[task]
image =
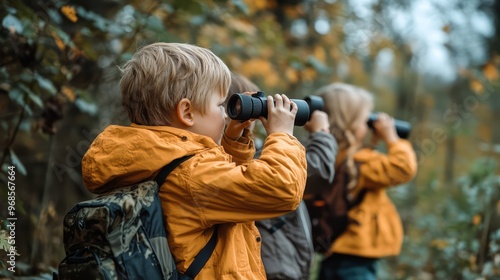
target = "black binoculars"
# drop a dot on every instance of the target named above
(402, 128)
(243, 107)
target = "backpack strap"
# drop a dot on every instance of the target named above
(201, 259)
(277, 225)
(162, 175)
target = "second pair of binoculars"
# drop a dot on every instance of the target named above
(243, 107)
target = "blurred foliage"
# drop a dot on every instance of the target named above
(455, 230)
(58, 89)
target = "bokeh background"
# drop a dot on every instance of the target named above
(433, 63)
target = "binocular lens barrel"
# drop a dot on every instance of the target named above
(402, 128)
(243, 107)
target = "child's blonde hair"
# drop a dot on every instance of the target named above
(345, 105)
(240, 84)
(159, 75)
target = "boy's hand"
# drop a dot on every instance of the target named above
(385, 129)
(279, 116)
(234, 128)
(318, 122)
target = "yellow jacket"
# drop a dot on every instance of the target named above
(211, 188)
(376, 230)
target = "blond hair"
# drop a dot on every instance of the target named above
(240, 84)
(345, 105)
(159, 75)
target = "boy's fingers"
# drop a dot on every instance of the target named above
(286, 101)
(269, 103)
(295, 108)
(264, 121)
(278, 100)
(247, 123)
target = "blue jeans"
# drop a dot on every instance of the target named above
(346, 267)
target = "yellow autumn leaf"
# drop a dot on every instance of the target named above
(490, 71)
(241, 26)
(335, 53)
(439, 243)
(309, 74)
(473, 262)
(292, 11)
(258, 5)
(476, 86)
(261, 68)
(234, 62)
(267, 52)
(59, 42)
(51, 211)
(69, 93)
(484, 131)
(272, 81)
(476, 220)
(69, 12)
(291, 75)
(256, 67)
(319, 53)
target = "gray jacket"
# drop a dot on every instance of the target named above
(287, 248)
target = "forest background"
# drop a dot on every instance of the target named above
(432, 63)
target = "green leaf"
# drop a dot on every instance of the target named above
(198, 20)
(55, 15)
(190, 6)
(17, 163)
(115, 29)
(18, 97)
(63, 36)
(240, 5)
(12, 22)
(100, 22)
(86, 107)
(45, 84)
(318, 65)
(35, 98)
(155, 24)
(11, 10)
(27, 78)
(4, 241)
(168, 7)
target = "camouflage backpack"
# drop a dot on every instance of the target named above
(120, 235)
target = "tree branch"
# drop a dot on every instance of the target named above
(14, 134)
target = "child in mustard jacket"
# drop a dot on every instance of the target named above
(287, 246)
(174, 96)
(374, 229)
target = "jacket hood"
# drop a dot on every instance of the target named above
(125, 155)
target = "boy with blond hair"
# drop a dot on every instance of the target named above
(174, 96)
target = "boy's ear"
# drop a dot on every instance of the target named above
(185, 112)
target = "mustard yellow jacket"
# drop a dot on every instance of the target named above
(376, 230)
(213, 187)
